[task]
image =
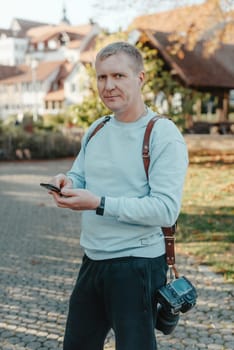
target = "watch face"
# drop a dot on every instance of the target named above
(100, 209)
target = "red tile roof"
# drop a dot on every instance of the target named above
(74, 44)
(196, 70)
(65, 70)
(8, 71)
(57, 95)
(26, 24)
(88, 56)
(196, 41)
(195, 19)
(44, 33)
(43, 70)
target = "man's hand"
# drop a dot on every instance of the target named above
(76, 199)
(61, 181)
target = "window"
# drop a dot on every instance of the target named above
(73, 87)
(41, 46)
(52, 44)
(55, 86)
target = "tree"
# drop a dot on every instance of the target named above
(91, 108)
(123, 11)
(211, 23)
(159, 78)
(214, 27)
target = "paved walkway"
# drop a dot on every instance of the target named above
(39, 260)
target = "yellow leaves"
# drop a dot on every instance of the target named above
(229, 188)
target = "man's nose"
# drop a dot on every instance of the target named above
(110, 85)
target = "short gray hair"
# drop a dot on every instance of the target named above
(122, 47)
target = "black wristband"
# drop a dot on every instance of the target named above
(100, 208)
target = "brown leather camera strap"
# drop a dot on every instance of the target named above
(98, 127)
(169, 232)
(145, 146)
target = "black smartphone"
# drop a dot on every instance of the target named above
(51, 187)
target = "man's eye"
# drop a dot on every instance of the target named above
(118, 76)
(101, 77)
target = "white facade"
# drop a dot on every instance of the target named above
(25, 96)
(12, 50)
(75, 86)
(40, 56)
(29, 93)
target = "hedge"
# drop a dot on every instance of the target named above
(37, 145)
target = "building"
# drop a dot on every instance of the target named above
(197, 44)
(14, 41)
(42, 66)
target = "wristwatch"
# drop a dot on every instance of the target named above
(100, 208)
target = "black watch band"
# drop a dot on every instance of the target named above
(100, 208)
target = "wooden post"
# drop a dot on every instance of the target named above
(225, 105)
(219, 109)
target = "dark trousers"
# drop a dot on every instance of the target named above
(119, 294)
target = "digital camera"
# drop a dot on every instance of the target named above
(177, 296)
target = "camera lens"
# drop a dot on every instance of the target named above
(166, 322)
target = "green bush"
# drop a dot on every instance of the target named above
(42, 144)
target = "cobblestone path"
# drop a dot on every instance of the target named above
(39, 260)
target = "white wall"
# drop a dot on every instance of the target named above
(12, 50)
(26, 97)
(75, 86)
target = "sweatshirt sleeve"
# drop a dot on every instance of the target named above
(76, 173)
(167, 171)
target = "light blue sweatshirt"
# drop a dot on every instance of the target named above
(111, 165)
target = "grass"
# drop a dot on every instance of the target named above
(206, 223)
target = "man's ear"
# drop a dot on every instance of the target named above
(141, 77)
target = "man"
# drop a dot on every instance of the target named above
(123, 211)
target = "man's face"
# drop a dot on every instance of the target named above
(119, 85)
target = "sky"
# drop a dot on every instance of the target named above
(78, 11)
(49, 11)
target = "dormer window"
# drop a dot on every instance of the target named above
(52, 44)
(63, 38)
(41, 46)
(55, 87)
